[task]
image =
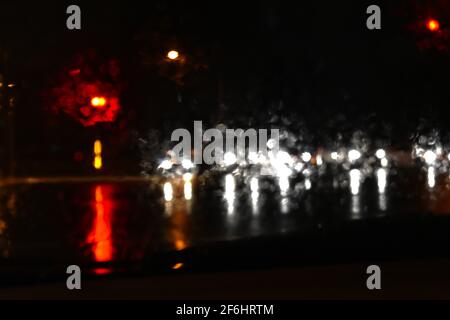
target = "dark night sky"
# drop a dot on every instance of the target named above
(315, 57)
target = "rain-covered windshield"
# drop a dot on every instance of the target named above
(115, 133)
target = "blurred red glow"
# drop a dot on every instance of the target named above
(433, 25)
(91, 96)
(74, 72)
(100, 236)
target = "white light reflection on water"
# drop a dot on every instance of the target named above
(187, 178)
(254, 187)
(431, 177)
(356, 207)
(168, 191)
(188, 190)
(355, 181)
(382, 182)
(284, 205)
(230, 195)
(283, 182)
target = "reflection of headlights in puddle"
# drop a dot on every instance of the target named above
(381, 180)
(254, 187)
(188, 190)
(283, 182)
(431, 177)
(230, 192)
(355, 181)
(168, 191)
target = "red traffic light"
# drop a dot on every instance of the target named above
(433, 25)
(98, 102)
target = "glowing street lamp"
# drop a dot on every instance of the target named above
(173, 55)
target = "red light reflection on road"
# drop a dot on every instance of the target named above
(101, 233)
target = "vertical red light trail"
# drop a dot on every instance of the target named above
(101, 233)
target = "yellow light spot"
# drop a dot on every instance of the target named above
(177, 266)
(433, 25)
(98, 102)
(97, 147)
(180, 244)
(98, 162)
(173, 55)
(11, 85)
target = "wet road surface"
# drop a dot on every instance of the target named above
(129, 221)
